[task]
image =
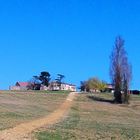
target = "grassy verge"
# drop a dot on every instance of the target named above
(91, 119)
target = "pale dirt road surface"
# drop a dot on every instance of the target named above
(21, 131)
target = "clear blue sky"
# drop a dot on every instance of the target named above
(72, 37)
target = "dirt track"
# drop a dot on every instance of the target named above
(21, 131)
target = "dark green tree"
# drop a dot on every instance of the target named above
(84, 86)
(44, 78)
(34, 83)
(59, 79)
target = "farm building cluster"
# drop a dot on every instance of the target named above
(53, 86)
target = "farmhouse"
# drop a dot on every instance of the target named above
(54, 86)
(20, 86)
(66, 86)
(110, 88)
(62, 86)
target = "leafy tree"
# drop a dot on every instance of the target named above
(120, 71)
(59, 79)
(102, 86)
(96, 84)
(44, 78)
(84, 86)
(34, 83)
(93, 84)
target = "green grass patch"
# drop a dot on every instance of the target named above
(49, 136)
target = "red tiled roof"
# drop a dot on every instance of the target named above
(22, 84)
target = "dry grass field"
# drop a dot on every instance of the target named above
(94, 117)
(19, 107)
(91, 117)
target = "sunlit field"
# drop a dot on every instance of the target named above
(95, 117)
(19, 107)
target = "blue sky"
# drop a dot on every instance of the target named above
(72, 37)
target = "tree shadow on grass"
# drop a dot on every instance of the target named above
(99, 99)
